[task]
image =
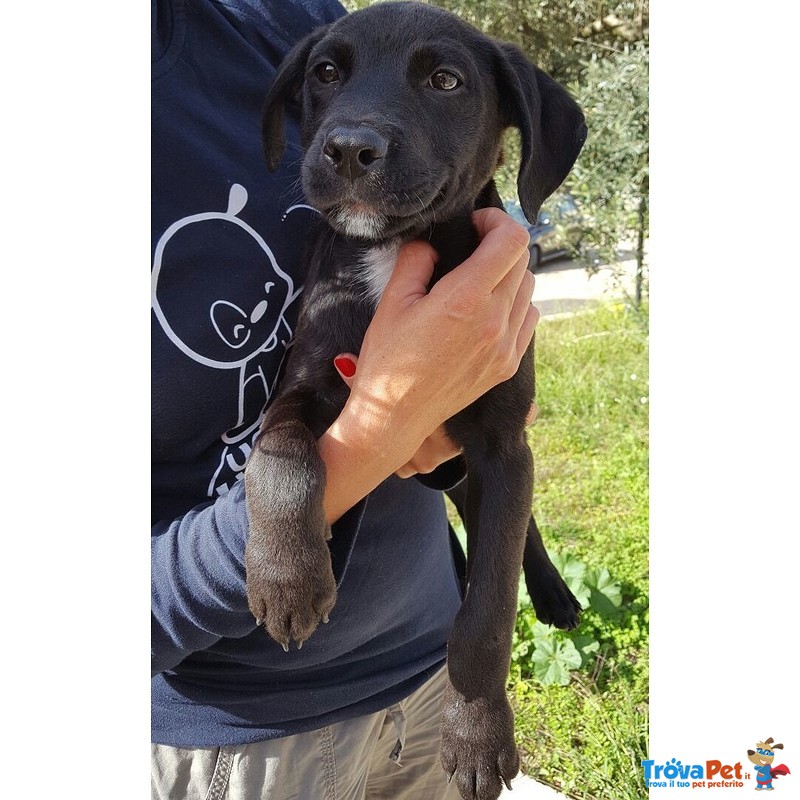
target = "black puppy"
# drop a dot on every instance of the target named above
(402, 111)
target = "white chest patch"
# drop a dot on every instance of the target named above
(378, 263)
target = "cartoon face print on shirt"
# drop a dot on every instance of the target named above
(218, 313)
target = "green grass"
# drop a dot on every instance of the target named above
(590, 446)
(590, 441)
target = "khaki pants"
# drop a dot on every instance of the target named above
(389, 755)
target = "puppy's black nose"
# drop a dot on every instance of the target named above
(353, 151)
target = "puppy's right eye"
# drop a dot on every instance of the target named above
(444, 81)
(326, 72)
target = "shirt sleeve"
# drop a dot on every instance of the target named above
(198, 576)
(198, 580)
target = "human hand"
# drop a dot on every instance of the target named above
(436, 449)
(427, 355)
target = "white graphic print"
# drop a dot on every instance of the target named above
(243, 332)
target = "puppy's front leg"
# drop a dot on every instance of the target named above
(478, 746)
(290, 583)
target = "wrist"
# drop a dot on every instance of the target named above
(384, 431)
(365, 445)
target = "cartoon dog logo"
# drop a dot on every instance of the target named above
(762, 757)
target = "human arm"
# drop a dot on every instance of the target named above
(198, 576)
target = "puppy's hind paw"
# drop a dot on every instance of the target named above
(552, 599)
(561, 610)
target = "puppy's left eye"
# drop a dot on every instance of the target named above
(444, 81)
(326, 72)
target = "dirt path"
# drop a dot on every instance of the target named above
(563, 286)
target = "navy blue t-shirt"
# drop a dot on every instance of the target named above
(228, 240)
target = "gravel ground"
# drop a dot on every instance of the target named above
(525, 788)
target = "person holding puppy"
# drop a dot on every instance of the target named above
(355, 713)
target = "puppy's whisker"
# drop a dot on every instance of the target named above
(421, 210)
(286, 145)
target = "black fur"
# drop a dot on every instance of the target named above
(390, 156)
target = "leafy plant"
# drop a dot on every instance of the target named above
(549, 654)
(553, 658)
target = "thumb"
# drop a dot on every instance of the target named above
(345, 364)
(412, 272)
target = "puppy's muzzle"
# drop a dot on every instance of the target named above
(352, 152)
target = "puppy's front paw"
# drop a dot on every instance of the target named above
(478, 748)
(290, 589)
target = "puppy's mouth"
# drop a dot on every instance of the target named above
(387, 219)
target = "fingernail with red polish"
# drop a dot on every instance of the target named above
(345, 366)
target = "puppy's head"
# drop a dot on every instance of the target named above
(402, 109)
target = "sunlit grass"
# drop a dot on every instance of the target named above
(590, 446)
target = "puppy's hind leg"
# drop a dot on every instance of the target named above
(552, 599)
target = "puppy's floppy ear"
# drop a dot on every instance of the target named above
(285, 91)
(551, 125)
